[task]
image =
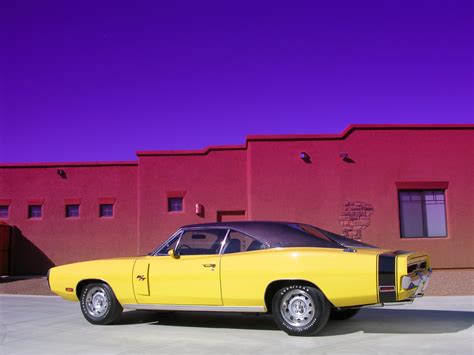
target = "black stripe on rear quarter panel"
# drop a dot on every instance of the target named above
(387, 277)
(387, 274)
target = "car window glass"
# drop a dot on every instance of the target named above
(347, 242)
(171, 244)
(201, 242)
(239, 242)
(310, 230)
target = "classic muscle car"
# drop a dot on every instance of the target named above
(301, 274)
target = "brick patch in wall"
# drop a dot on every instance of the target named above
(355, 218)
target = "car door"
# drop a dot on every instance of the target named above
(244, 275)
(191, 277)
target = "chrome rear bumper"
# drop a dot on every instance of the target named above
(417, 282)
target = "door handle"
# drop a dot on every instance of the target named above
(209, 265)
(141, 277)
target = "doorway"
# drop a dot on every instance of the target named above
(4, 249)
(230, 216)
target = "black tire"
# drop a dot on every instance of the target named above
(99, 305)
(300, 310)
(343, 314)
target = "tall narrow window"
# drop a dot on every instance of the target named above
(175, 204)
(4, 211)
(72, 211)
(422, 213)
(35, 211)
(106, 210)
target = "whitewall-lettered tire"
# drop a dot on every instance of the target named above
(99, 305)
(300, 310)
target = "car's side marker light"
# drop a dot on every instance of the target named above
(69, 289)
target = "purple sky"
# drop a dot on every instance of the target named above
(97, 81)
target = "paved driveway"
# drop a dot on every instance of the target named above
(49, 325)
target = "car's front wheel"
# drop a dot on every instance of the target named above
(300, 310)
(99, 305)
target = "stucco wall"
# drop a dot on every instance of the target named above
(64, 240)
(266, 178)
(216, 180)
(284, 187)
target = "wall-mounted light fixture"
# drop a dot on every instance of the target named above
(199, 210)
(62, 173)
(345, 157)
(305, 157)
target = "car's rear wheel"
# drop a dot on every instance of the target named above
(343, 314)
(99, 305)
(300, 310)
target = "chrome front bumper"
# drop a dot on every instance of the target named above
(417, 282)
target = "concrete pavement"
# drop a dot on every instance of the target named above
(50, 325)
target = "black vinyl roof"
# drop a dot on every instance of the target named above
(277, 234)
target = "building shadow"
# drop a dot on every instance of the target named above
(376, 321)
(25, 258)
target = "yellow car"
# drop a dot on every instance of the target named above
(301, 274)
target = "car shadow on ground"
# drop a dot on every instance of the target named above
(401, 321)
(200, 320)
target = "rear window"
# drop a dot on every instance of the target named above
(302, 235)
(311, 230)
(347, 242)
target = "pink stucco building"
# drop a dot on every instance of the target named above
(395, 186)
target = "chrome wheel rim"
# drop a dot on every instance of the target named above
(297, 308)
(97, 302)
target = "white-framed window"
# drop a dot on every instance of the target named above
(175, 204)
(35, 211)
(4, 211)
(72, 211)
(106, 210)
(422, 213)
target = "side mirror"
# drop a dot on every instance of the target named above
(173, 254)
